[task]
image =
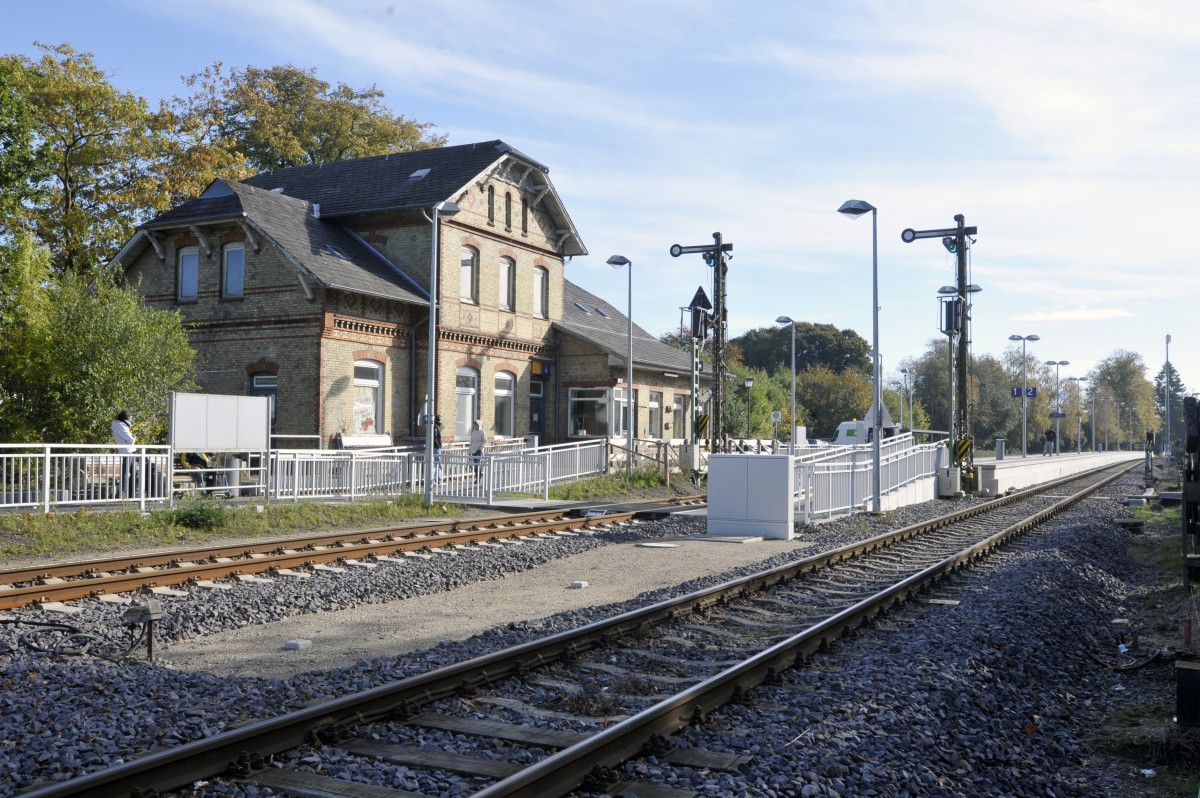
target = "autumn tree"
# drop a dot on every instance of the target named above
(1124, 398)
(830, 398)
(281, 116)
(20, 167)
(98, 145)
(770, 348)
(75, 352)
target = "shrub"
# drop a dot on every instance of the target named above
(199, 514)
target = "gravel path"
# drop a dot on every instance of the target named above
(994, 696)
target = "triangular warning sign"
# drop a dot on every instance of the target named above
(700, 300)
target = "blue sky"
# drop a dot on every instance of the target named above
(1066, 131)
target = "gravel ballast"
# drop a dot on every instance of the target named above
(994, 696)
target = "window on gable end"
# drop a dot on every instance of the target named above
(468, 288)
(233, 270)
(541, 288)
(508, 284)
(508, 211)
(491, 205)
(524, 216)
(187, 277)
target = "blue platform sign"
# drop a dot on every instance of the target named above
(1030, 393)
(1016, 393)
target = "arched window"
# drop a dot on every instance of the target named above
(368, 397)
(508, 211)
(524, 216)
(506, 385)
(187, 278)
(491, 205)
(508, 283)
(233, 270)
(466, 400)
(468, 286)
(541, 287)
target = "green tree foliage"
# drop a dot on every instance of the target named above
(829, 398)
(1124, 398)
(285, 116)
(1177, 390)
(98, 144)
(75, 353)
(770, 348)
(20, 167)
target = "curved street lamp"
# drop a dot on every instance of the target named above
(792, 434)
(445, 209)
(617, 261)
(854, 209)
(1057, 398)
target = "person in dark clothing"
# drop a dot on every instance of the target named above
(437, 450)
(1048, 446)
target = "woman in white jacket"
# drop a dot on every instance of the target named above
(478, 441)
(123, 437)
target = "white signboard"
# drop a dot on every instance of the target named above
(202, 422)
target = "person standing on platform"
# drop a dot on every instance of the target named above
(123, 437)
(437, 449)
(478, 441)
(1048, 446)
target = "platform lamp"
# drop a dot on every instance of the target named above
(1079, 415)
(617, 261)
(1024, 390)
(906, 372)
(853, 209)
(1057, 398)
(443, 209)
(792, 435)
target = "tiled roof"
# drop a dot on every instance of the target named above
(311, 241)
(387, 182)
(608, 328)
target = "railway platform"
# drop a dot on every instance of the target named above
(1014, 473)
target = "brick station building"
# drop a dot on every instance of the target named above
(311, 285)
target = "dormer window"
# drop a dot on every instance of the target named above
(330, 249)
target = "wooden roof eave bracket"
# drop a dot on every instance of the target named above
(162, 256)
(208, 250)
(565, 235)
(249, 235)
(541, 194)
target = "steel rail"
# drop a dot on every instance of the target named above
(294, 556)
(201, 759)
(82, 568)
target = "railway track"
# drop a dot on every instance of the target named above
(606, 692)
(39, 584)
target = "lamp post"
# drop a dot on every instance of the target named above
(445, 209)
(899, 387)
(1079, 415)
(1166, 403)
(791, 435)
(906, 372)
(749, 385)
(854, 209)
(1092, 392)
(1057, 398)
(1024, 391)
(617, 261)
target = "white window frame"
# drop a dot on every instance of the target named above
(466, 400)
(185, 280)
(654, 427)
(505, 401)
(508, 284)
(239, 289)
(468, 275)
(374, 390)
(541, 292)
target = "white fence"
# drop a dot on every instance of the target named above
(838, 479)
(44, 477)
(52, 475)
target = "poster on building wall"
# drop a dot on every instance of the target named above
(201, 422)
(364, 410)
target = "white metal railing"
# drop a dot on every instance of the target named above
(842, 481)
(42, 476)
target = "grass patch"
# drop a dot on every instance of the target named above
(608, 485)
(193, 522)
